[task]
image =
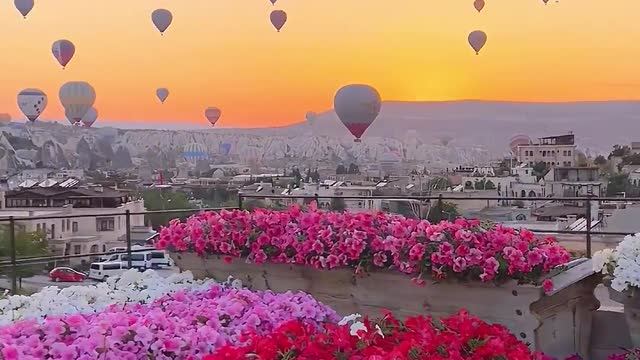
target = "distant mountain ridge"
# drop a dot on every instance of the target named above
(413, 131)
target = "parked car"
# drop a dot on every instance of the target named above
(160, 258)
(66, 274)
(104, 270)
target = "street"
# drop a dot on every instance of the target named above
(37, 282)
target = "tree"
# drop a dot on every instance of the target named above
(341, 170)
(338, 205)
(600, 160)
(442, 211)
(631, 159)
(540, 169)
(619, 151)
(617, 184)
(158, 199)
(353, 169)
(28, 244)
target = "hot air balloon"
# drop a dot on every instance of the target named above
(225, 148)
(311, 117)
(357, 106)
(63, 51)
(32, 103)
(545, 1)
(194, 151)
(67, 114)
(278, 19)
(477, 39)
(273, 2)
(212, 114)
(24, 6)
(478, 4)
(162, 94)
(518, 140)
(77, 98)
(445, 140)
(161, 19)
(90, 117)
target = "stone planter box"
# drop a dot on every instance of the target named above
(631, 302)
(558, 323)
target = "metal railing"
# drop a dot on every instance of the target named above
(14, 262)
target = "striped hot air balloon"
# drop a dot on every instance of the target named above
(518, 140)
(77, 98)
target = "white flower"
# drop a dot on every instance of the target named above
(131, 287)
(355, 327)
(349, 319)
(602, 259)
(623, 263)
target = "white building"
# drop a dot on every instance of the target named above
(552, 150)
(105, 228)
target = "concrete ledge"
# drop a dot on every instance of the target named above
(609, 333)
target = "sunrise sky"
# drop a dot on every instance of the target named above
(225, 53)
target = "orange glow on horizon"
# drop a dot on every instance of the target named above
(225, 53)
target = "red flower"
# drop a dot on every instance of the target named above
(461, 337)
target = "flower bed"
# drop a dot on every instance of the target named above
(132, 287)
(183, 325)
(457, 337)
(328, 240)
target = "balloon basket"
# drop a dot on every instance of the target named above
(357, 140)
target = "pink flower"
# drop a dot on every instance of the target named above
(547, 285)
(459, 264)
(260, 257)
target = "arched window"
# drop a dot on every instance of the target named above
(532, 193)
(523, 193)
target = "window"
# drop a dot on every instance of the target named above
(77, 249)
(95, 267)
(569, 153)
(105, 224)
(63, 225)
(37, 227)
(526, 172)
(68, 224)
(53, 231)
(75, 226)
(111, 266)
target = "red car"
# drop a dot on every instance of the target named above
(66, 274)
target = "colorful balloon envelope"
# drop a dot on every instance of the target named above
(90, 117)
(32, 102)
(212, 114)
(24, 6)
(77, 98)
(477, 39)
(278, 19)
(63, 51)
(161, 18)
(162, 94)
(357, 106)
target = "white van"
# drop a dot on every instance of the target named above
(160, 258)
(139, 260)
(112, 250)
(103, 270)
